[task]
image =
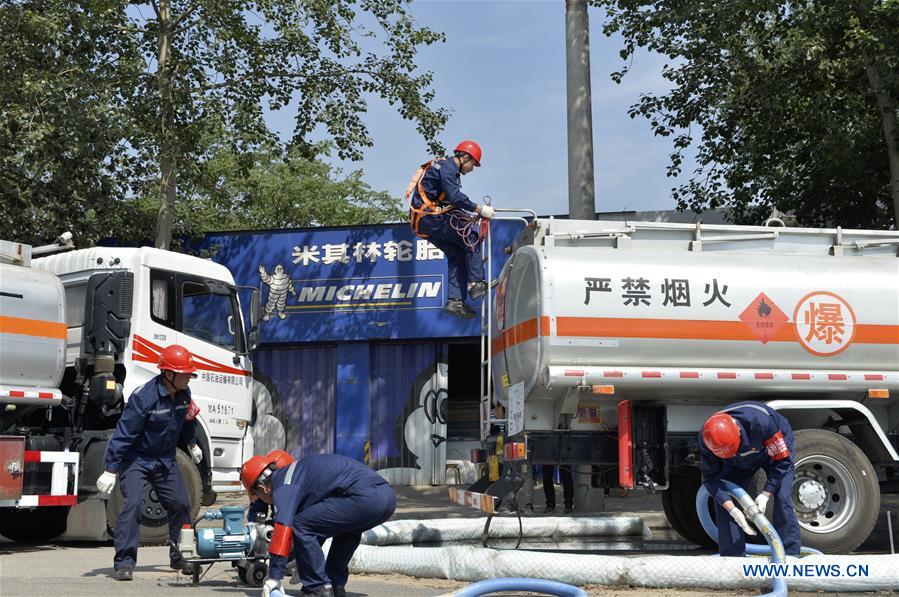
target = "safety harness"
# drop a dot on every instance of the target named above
(429, 207)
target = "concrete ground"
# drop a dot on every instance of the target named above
(83, 569)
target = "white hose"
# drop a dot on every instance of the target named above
(404, 532)
(466, 563)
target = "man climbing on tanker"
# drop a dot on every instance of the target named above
(142, 450)
(735, 443)
(313, 498)
(440, 212)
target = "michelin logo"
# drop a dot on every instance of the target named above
(368, 292)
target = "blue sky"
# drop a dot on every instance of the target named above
(502, 73)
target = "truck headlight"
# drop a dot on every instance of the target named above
(241, 423)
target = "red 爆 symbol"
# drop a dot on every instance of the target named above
(763, 317)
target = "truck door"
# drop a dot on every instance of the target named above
(203, 315)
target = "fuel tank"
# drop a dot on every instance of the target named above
(668, 311)
(32, 328)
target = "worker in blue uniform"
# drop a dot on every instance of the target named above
(434, 194)
(734, 444)
(258, 510)
(316, 497)
(142, 450)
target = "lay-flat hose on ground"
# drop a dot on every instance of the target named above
(402, 532)
(468, 563)
(531, 585)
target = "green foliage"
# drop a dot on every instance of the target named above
(103, 101)
(785, 104)
(63, 163)
(276, 189)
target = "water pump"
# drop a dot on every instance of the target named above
(243, 544)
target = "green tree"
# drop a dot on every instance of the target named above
(169, 75)
(786, 104)
(274, 189)
(64, 163)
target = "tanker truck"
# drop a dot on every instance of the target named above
(80, 331)
(611, 342)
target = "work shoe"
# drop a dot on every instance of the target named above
(549, 508)
(569, 509)
(458, 308)
(124, 574)
(324, 591)
(182, 566)
(477, 289)
(339, 591)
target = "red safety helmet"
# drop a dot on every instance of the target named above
(472, 149)
(178, 359)
(252, 469)
(280, 458)
(721, 435)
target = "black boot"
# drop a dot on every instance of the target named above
(182, 566)
(123, 574)
(458, 308)
(477, 290)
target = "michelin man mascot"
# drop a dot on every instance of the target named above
(279, 284)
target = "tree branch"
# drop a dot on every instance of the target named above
(132, 29)
(187, 13)
(190, 25)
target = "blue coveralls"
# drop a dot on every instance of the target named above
(321, 496)
(766, 442)
(141, 451)
(463, 262)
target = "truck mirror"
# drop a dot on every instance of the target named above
(255, 309)
(255, 316)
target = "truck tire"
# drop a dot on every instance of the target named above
(683, 485)
(836, 494)
(670, 509)
(35, 525)
(154, 527)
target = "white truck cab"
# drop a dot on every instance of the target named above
(122, 306)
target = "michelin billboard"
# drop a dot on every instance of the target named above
(352, 283)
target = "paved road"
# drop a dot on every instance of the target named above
(83, 569)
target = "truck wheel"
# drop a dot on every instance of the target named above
(154, 526)
(670, 508)
(680, 501)
(35, 525)
(835, 491)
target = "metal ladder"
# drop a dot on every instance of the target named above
(487, 321)
(510, 478)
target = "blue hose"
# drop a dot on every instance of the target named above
(775, 546)
(533, 585)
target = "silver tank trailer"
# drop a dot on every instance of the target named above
(33, 335)
(668, 311)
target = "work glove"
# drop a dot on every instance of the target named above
(762, 501)
(487, 212)
(106, 482)
(271, 586)
(740, 519)
(196, 452)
